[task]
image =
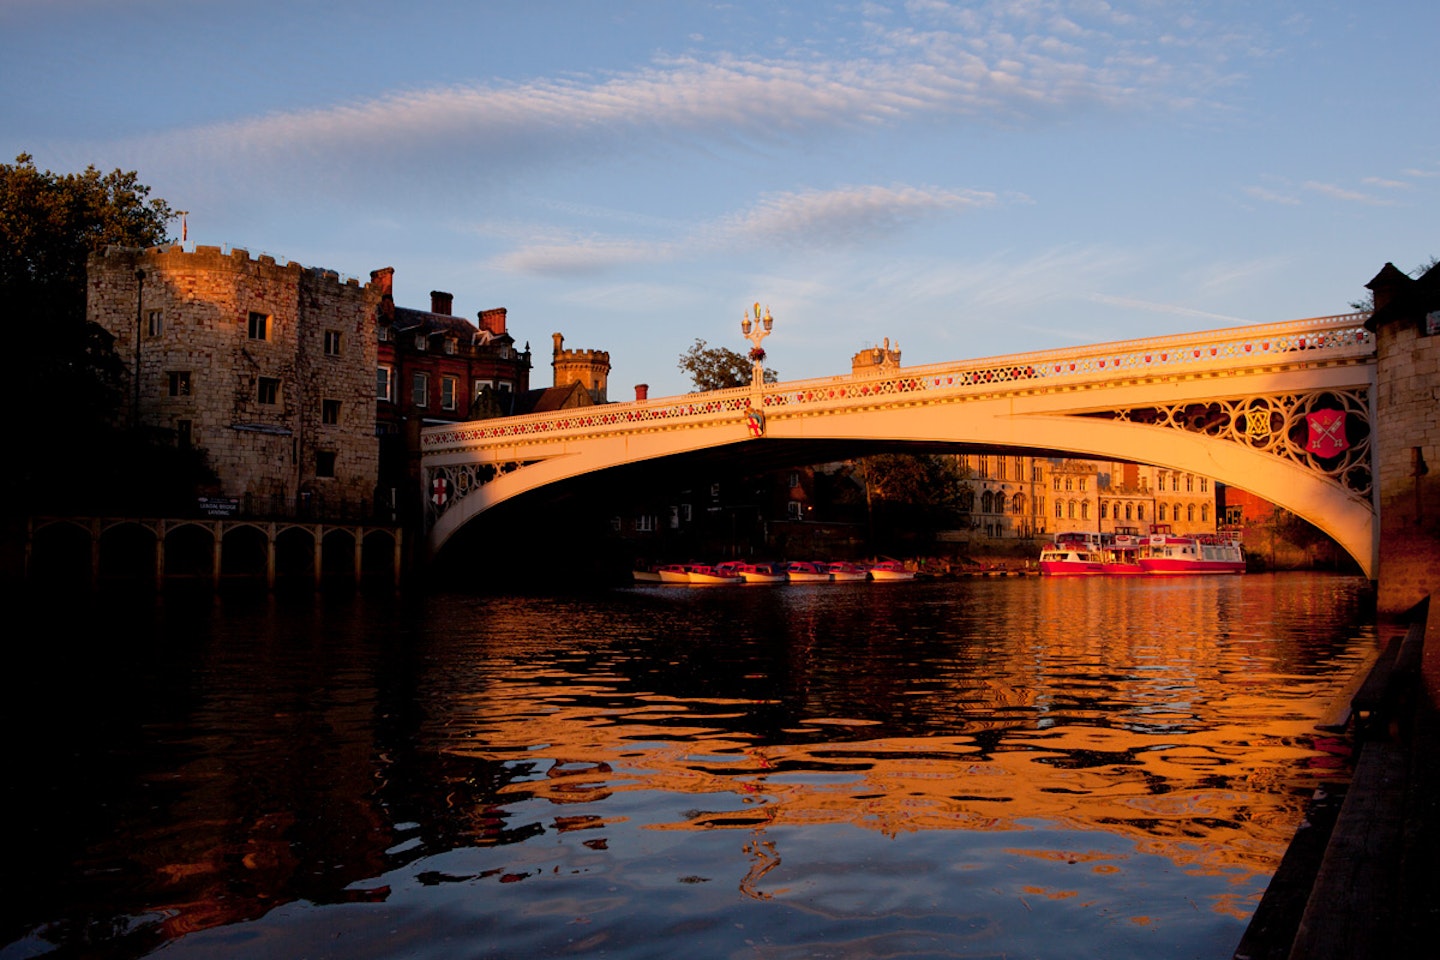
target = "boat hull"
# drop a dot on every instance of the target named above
(1167, 566)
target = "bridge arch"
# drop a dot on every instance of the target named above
(1232, 405)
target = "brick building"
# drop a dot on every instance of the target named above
(265, 366)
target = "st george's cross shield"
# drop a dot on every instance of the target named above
(440, 491)
(1327, 433)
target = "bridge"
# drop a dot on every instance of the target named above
(1282, 410)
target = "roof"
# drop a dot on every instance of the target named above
(1409, 298)
(547, 399)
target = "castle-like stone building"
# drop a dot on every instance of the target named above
(267, 366)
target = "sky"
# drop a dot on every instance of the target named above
(966, 179)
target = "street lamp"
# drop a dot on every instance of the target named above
(755, 331)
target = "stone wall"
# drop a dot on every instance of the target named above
(1408, 440)
(256, 400)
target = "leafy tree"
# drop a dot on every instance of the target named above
(69, 376)
(913, 494)
(717, 368)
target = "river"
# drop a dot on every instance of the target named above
(972, 768)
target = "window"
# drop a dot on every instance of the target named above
(269, 391)
(1069, 483)
(1081, 482)
(1104, 510)
(179, 383)
(1059, 509)
(449, 345)
(447, 392)
(259, 326)
(382, 333)
(332, 343)
(1129, 513)
(1175, 513)
(382, 383)
(1140, 511)
(1204, 513)
(1160, 512)
(1000, 502)
(1189, 483)
(987, 502)
(794, 481)
(420, 342)
(1017, 506)
(1190, 512)
(1036, 474)
(154, 323)
(330, 411)
(984, 469)
(1204, 485)
(324, 463)
(795, 510)
(184, 433)
(645, 523)
(1085, 510)
(1070, 509)
(1057, 483)
(685, 512)
(420, 389)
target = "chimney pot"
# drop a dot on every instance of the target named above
(440, 302)
(642, 391)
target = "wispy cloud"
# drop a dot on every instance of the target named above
(1004, 60)
(1336, 192)
(810, 218)
(1270, 196)
(1132, 303)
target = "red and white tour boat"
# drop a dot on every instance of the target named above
(1128, 553)
(1166, 553)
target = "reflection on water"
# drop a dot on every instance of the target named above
(1041, 767)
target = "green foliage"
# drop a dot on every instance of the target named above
(913, 495)
(718, 368)
(69, 377)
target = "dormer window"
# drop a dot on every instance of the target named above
(449, 345)
(420, 341)
(382, 334)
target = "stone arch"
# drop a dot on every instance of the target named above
(128, 551)
(245, 552)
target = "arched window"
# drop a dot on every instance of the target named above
(1175, 513)
(1140, 511)
(1204, 512)
(1071, 509)
(1104, 509)
(999, 502)
(1017, 506)
(1190, 513)
(1085, 510)
(987, 502)
(1127, 511)
(1160, 512)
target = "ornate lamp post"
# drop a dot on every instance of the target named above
(755, 331)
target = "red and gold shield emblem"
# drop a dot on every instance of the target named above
(1327, 433)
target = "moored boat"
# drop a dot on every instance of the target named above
(808, 571)
(844, 570)
(759, 572)
(1167, 554)
(674, 573)
(890, 570)
(1072, 554)
(701, 574)
(644, 573)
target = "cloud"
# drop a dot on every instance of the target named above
(1340, 193)
(1003, 60)
(1387, 184)
(1172, 309)
(809, 218)
(1270, 196)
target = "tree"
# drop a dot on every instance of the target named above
(913, 494)
(69, 376)
(717, 368)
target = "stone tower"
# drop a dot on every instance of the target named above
(589, 368)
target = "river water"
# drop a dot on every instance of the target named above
(978, 768)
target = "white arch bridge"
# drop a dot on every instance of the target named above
(1285, 411)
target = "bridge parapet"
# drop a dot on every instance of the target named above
(1335, 339)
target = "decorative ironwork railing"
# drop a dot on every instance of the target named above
(1321, 338)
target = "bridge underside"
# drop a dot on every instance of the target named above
(1250, 440)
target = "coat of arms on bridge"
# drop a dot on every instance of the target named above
(1327, 433)
(755, 419)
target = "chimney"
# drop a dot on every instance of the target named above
(642, 391)
(384, 279)
(493, 321)
(440, 302)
